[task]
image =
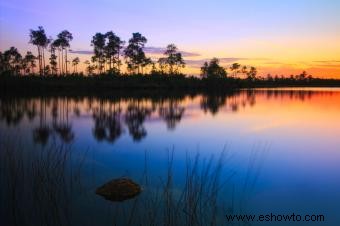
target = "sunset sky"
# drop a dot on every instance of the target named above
(278, 37)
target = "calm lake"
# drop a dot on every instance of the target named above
(263, 151)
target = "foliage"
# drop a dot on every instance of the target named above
(173, 60)
(135, 55)
(213, 69)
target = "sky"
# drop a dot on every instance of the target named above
(278, 37)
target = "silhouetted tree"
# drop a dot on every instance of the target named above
(53, 60)
(64, 39)
(39, 39)
(112, 51)
(12, 61)
(30, 61)
(75, 63)
(89, 68)
(2, 62)
(252, 73)
(213, 69)
(303, 75)
(235, 68)
(47, 70)
(134, 53)
(244, 70)
(174, 59)
(98, 43)
(56, 44)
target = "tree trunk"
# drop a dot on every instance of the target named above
(43, 55)
(59, 61)
(62, 61)
(66, 59)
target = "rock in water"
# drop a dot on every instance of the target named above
(119, 190)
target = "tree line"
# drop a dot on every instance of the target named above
(108, 48)
(110, 51)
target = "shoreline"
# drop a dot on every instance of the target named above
(138, 84)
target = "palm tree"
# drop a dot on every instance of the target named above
(39, 39)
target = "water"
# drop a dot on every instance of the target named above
(281, 154)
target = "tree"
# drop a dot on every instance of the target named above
(12, 61)
(53, 60)
(234, 68)
(174, 59)
(56, 44)
(213, 69)
(75, 62)
(134, 54)
(244, 70)
(63, 41)
(30, 61)
(2, 62)
(98, 42)
(39, 39)
(303, 75)
(252, 73)
(162, 65)
(112, 51)
(47, 70)
(89, 68)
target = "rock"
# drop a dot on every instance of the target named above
(119, 190)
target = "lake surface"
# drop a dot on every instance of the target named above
(276, 151)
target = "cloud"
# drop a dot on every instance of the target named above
(223, 60)
(83, 52)
(161, 50)
(328, 65)
(327, 61)
(149, 50)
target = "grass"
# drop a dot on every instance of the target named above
(40, 188)
(37, 187)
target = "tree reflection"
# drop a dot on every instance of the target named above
(212, 103)
(12, 111)
(41, 134)
(172, 114)
(51, 117)
(60, 118)
(134, 119)
(107, 125)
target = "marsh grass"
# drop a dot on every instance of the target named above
(37, 186)
(42, 187)
(196, 201)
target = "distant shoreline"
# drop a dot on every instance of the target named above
(10, 85)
